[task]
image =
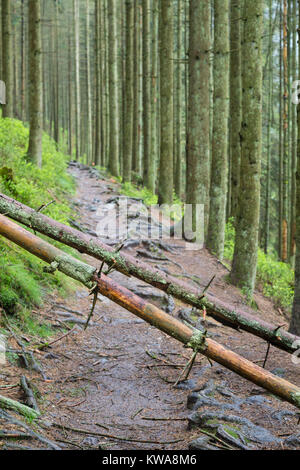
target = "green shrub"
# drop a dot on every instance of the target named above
(275, 278)
(131, 190)
(22, 280)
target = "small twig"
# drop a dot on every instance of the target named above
(9, 386)
(267, 355)
(64, 441)
(216, 438)
(147, 418)
(14, 435)
(44, 206)
(186, 371)
(136, 413)
(207, 287)
(111, 436)
(46, 345)
(94, 291)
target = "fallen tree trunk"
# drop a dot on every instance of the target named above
(130, 266)
(148, 312)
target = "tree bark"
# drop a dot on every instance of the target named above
(295, 321)
(246, 246)
(235, 101)
(138, 114)
(89, 144)
(77, 78)
(165, 184)
(35, 83)
(219, 171)
(147, 94)
(285, 181)
(7, 54)
(198, 127)
(128, 112)
(113, 162)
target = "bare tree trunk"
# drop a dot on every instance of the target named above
(219, 172)
(35, 83)
(77, 78)
(7, 54)
(147, 93)
(198, 127)
(165, 185)
(88, 89)
(128, 113)
(235, 101)
(245, 254)
(113, 163)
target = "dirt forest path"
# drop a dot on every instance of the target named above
(115, 381)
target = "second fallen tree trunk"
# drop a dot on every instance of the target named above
(191, 338)
(129, 265)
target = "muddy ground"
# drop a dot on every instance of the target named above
(112, 386)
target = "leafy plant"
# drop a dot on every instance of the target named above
(276, 279)
(22, 281)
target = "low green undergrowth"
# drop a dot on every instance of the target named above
(23, 284)
(275, 278)
(131, 190)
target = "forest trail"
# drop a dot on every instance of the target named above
(117, 377)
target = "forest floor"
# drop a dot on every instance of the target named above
(115, 381)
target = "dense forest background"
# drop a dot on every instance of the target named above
(190, 99)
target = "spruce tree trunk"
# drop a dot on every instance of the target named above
(245, 254)
(295, 321)
(165, 186)
(7, 62)
(198, 124)
(269, 125)
(235, 102)
(77, 78)
(70, 91)
(285, 181)
(97, 146)
(294, 142)
(56, 75)
(128, 114)
(34, 152)
(147, 93)
(23, 69)
(154, 99)
(113, 162)
(181, 101)
(89, 146)
(138, 116)
(280, 166)
(219, 173)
